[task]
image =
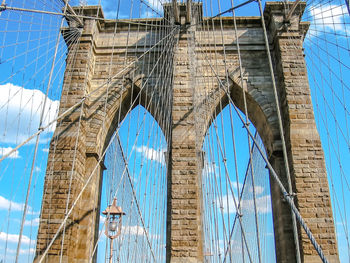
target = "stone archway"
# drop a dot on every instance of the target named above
(79, 139)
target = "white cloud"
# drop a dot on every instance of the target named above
(130, 230)
(6, 150)
(13, 238)
(258, 189)
(228, 204)
(133, 230)
(150, 14)
(5, 204)
(21, 251)
(262, 204)
(16, 207)
(155, 4)
(31, 212)
(46, 150)
(27, 251)
(137, 231)
(210, 169)
(127, 230)
(328, 17)
(155, 10)
(32, 222)
(37, 169)
(20, 111)
(151, 154)
(83, 2)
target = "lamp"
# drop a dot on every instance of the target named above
(113, 223)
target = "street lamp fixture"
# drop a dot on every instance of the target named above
(113, 223)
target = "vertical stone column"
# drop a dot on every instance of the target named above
(305, 154)
(184, 228)
(282, 217)
(69, 167)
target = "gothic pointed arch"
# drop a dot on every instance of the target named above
(260, 107)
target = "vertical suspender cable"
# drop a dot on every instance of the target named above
(242, 85)
(280, 185)
(135, 198)
(290, 189)
(249, 142)
(37, 139)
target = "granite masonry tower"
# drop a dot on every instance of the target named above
(184, 222)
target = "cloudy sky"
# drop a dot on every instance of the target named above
(25, 69)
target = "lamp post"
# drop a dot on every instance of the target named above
(113, 223)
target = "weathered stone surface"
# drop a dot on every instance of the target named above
(192, 101)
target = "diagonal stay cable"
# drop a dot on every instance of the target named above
(125, 21)
(138, 132)
(239, 213)
(83, 188)
(135, 197)
(36, 147)
(285, 194)
(232, 8)
(43, 128)
(42, 257)
(226, 170)
(225, 12)
(280, 125)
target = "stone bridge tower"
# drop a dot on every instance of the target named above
(184, 221)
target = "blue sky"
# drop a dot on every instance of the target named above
(330, 92)
(26, 55)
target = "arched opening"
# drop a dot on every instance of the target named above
(136, 176)
(260, 109)
(237, 219)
